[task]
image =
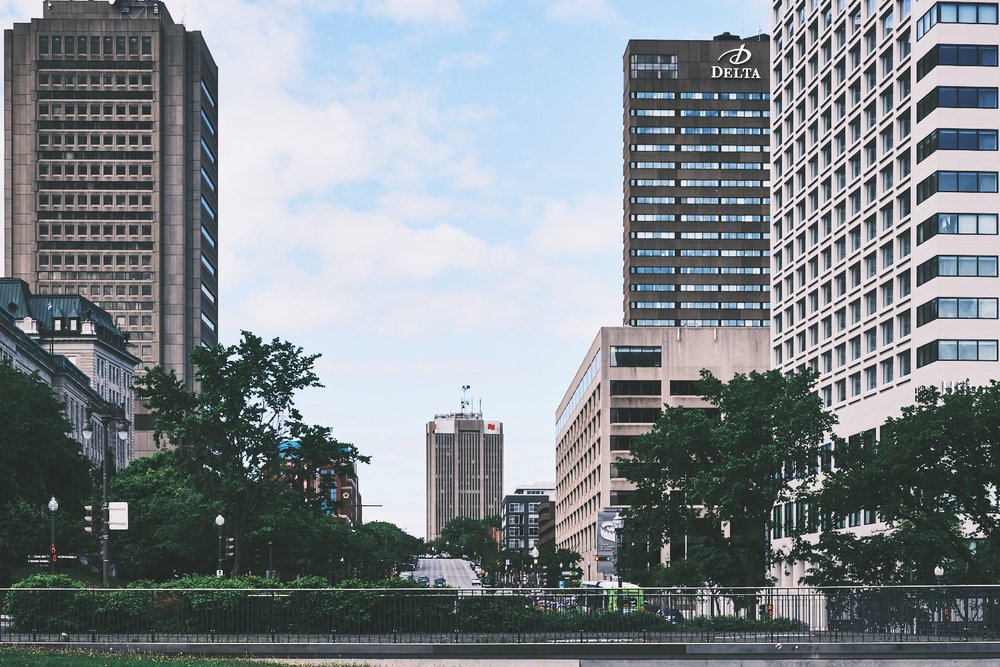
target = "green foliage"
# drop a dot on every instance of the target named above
(52, 611)
(697, 470)
(465, 536)
(31, 420)
(241, 439)
(932, 478)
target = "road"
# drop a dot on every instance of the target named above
(457, 572)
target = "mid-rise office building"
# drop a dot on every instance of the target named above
(884, 207)
(697, 183)
(464, 469)
(111, 172)
(628, 375)
(519, 516)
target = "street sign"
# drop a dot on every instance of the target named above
(118, 516)
(44, 559)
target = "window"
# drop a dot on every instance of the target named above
(634, 415)
(961, 55)
(956, 181)
(635, 356)
(957, 223)
(515, 507)
(956, 12)
(956, 350)
(622, 443)
(960, 265)
(956, 308)
(956, 97)
(956, 140)
(653, 66)
(635, 387)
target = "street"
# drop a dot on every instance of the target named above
(458, 573)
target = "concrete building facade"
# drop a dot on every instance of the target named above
(697, 183)
(520, 516)
(464, 469)
(627, 376)
(111, 172)
(884, 208)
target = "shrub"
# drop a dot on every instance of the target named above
(63, 610)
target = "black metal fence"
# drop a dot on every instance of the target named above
(897, 614)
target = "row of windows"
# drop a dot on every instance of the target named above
(634, 415)
(93, 169)
(956, 97)
(635, 356)
(635, 388)
(701, 113)
(956, 181)
(748, 270)
(983, 266)
(698, 130)
(95, 45)
(89, 79)
(697, 252)
(653, 66)
(95, 200)
(956, 140)
(957, 223)
(725, 236)
(698, 183)
(699, 165)
(95, 141)
(691, 217)
(96, 230)
(957, 308)
(956, 350)
(45, 259)
(963, 55)
(98, 112)
(728, 201)
(700, 148)
(700, 323)
(650, 95)
(661, 287)
(956, 12)
(701, 305)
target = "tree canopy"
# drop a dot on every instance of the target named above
(715, 474)
(240, 438)
(931, 478)
(38, 460)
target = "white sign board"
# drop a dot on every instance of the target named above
(117, 516)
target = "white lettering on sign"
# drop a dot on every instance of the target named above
(735, 57)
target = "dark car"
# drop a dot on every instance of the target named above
(424, 581)
(671, 616)
(439, 582)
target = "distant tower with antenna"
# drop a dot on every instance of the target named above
(464, 466)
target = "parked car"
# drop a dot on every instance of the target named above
(424, 580)
(439, 582)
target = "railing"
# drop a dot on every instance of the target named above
(897, 614)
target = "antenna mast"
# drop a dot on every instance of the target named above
(465, 400)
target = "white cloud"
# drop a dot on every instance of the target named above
(442, 12)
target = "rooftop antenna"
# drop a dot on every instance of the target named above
(465, 400)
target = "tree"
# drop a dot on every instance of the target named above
(38, 460)
(240, 437)
(714, 475)
(469, 537)
(932, 479)
(552, 562)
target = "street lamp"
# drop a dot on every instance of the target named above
(88, 433)
(619, 523)
(939, 575)
(53, 507)
(534, 555)
(220, 521)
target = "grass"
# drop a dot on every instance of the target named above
(40, 658)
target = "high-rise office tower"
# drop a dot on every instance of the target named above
(885, 206)
(464, 469)
(111, 150)
(697, 182)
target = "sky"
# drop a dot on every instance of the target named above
(428, 194)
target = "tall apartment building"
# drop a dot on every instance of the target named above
(697, 183)
(110, 168)
(464, 469)
(519, 516)
(884, 207)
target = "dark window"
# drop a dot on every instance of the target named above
(634, 415)
(43, 45)
(956, 140)
(635, 387)
(957, 97)
(956, 181)
(684, 388)
(957, 265)
(143, 422)
(956, 350)
(957, 223)
(619, 498)
(147, 45)
(957, 308)
(623, 356)
(622, 443)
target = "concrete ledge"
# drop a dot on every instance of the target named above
(586, 654)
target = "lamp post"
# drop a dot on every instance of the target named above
(220, 521)
(619, 523)
(534, 567)
(53, 508)
(88, 433)
(938, 575)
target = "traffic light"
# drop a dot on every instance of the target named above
(53, 555)
(230, 547)
(92, 517)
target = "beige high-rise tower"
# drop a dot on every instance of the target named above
(110, 172)
(464, 469)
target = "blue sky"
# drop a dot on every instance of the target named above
(428, 193)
